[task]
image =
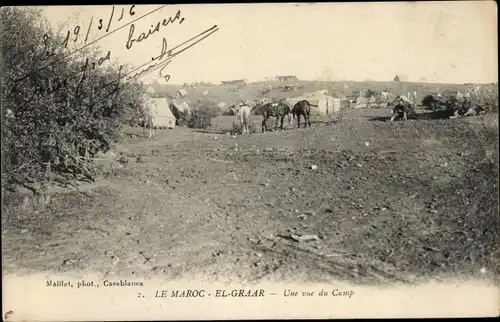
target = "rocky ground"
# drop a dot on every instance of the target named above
(362, 200)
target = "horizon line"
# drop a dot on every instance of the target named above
(327, 81)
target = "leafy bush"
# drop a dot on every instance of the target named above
(211, 106)
(59, 112)
(200, 119)
(202, 113)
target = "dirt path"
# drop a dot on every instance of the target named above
(388, 203)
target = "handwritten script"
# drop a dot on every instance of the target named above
(134, 38)
(142, 36)
(170, 54)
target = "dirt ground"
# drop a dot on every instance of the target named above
(397, 202)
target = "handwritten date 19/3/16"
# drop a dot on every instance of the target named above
(75, 35)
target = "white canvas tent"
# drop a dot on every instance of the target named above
(163, 117)
(326, 104)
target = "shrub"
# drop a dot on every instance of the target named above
(65, 110)
(202, 113)
(211, 106)
(488, 99)
(200, 119)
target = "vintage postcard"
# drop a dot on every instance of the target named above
(250, 161)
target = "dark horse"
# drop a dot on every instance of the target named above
(303, 108)
(278, 110)
(433, 102)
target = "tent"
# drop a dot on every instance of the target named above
(181, 93)
(326, 104)
(181, 106)
(163, 117)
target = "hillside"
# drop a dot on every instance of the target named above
(253, 91)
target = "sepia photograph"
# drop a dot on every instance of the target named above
(271, 160)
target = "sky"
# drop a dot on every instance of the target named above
(435, 42)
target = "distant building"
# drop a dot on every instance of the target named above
(239, 82)
(396, 78)
(287, 78)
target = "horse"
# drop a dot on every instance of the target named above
(433, 102)
(278, 110)
(303, 108)
(243, 114)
